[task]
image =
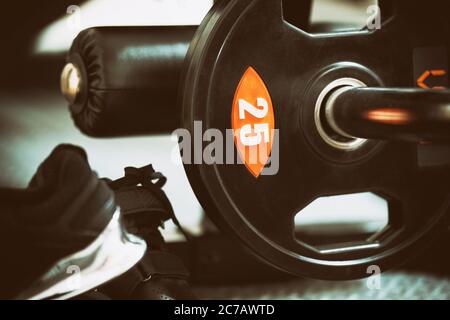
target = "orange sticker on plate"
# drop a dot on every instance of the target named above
(253, 121)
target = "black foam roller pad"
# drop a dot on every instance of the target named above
(130, 78)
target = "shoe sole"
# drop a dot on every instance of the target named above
(114, 252)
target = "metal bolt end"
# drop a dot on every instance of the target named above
(71, 82)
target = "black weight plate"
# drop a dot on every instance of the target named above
(292, 65)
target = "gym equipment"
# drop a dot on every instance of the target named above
(300, 71)
(137, 69)
(108, 71)
(349, 108)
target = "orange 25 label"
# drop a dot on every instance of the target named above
(253, 121)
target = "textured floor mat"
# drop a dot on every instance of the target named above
(393, 286)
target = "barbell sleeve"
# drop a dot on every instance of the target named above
(415, 115)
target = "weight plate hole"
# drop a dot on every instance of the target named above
(325, 16)
(332, 137)
(356, 218)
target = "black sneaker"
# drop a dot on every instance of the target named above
(62, 236)
(160, 275)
